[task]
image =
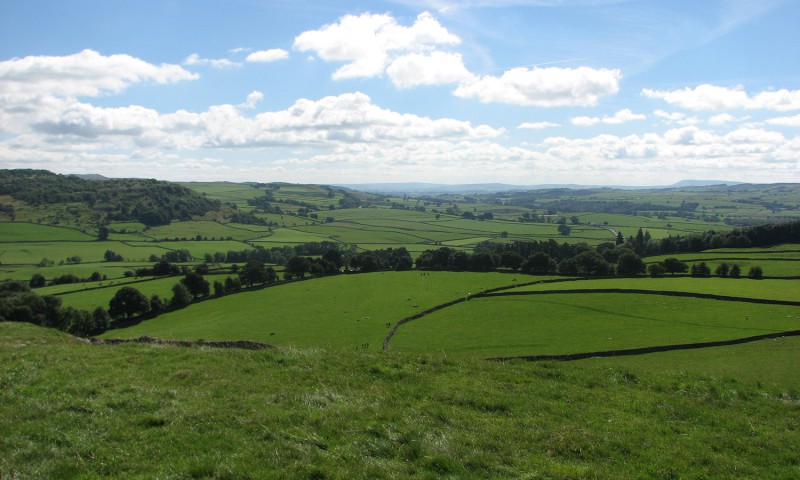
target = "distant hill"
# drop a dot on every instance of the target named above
(416, 188)
(151, 202)
(702, 183)
(88, 176)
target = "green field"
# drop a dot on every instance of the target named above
(328, 401)
(344, 311)
(576, 323)
(69, 409)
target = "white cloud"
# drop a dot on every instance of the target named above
(195, 60)
(721, 119)
(670, 116)
(270, 55)
(793, 121)
(754, 136)
(436, 68)
(252, 99)
(780, 100)
(86, 73)
(367, 43)
(538, 125)
(712, 97)
(623, 116)
(325, 123)
(544, 87)
(584, 121)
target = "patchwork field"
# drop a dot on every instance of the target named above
(385, 374)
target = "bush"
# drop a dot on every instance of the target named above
(37, 281)
(755, 273)
(66, 278)
(656, 270)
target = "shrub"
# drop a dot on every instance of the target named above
(755, 272)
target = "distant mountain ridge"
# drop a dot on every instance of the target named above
(437, 188)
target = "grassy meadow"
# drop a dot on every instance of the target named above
(75, 410)
(327, 401)
(339, 312)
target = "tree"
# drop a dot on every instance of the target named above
(563, 229)
(102, 233)
(157, 304)
(180, 296)
(481, 262)
(297, 267)
(655, 270)
(37, 280)
(673, 266)
(110, 256)
(700, 270)
(620, 238)
(736, 271)
(196, 284)
(128, 302)
(755, 272)
(629, 264)
(539, 263)
(591, 263)
(511, 259)
(233, 284)
(219, 288)
(722, 270)
(334, 256)
(252, 273)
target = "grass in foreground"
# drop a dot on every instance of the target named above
(69, 409)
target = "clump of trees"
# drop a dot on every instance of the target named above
(19, 304)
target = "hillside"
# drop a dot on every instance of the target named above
(71, 409)
(150, 202)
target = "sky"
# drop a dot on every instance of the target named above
(522, 92)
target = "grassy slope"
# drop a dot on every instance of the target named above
(575, 323)
(69, 409)
(343, 311)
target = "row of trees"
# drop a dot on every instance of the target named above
(19, 304)
(757, 236)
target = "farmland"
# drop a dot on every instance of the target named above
(376, 373)
(73, 409)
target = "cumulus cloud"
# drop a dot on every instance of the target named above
(538, 125)
(327, 122)
(195, 60)
(86, 73)
(793, 121)
(713, 97)
(748, 154)
(368, 42)
(252, 99)
(623, 116)
(544, 87)
(721, 119)
(436, 68)
(270, 55)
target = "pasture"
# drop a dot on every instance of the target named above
(584, 322)
(328, 402)
(72, 409)
(343, 311)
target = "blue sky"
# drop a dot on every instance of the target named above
(602, 92)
